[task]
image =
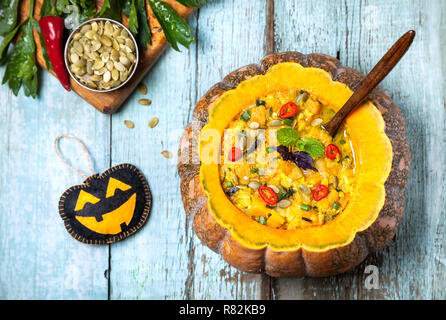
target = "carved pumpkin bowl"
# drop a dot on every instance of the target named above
(364, 224)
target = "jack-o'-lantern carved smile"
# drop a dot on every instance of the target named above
(110, 221)
(108, 207)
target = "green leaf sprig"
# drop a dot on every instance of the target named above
(21, 69)
(111, 9)
(289, 137)
(192, 3)
(176, 30)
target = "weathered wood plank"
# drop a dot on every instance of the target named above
(152, 264)
(166, 259)
(38, 258)
(231, 35)
(413, 266)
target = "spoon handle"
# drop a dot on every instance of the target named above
(382, 69)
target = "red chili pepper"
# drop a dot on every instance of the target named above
(268, 195)
(52, 28)
(320, 192)
(332, 151)
(288, 110)
(234, 154)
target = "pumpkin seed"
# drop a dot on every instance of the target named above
(95, 45)
(90, 34)
(74, 58)
(166, 154)
(275, 189)
(123, 76)
(153, 122)
(98, 64)
(316, 122)
(275, 123)
(115, 74)
(125, 61)
(77, 36)
(90, 67)
(80, 62)
(100, 71)
(144, 102)
(254, 185)
(85, 28)
(107, 76)
(94, 26)
(129, 124)
(142, 88)
(109, 65)
(119, 66)
(284, 203)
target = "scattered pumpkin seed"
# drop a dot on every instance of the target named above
(144, 102)
(129, 124)
(142, 88)
(153, 122)
(166, 154)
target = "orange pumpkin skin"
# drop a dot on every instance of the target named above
(299, 262)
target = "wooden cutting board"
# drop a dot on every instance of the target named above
(109, 102)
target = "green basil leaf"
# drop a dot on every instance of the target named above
(111, 9)
(175, 28)
(8, 15)
(313, 147)
(144, 33)
(22, 68)
(287, 137)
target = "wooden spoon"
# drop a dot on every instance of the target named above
(382, 69)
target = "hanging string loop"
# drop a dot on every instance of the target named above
(84, 149)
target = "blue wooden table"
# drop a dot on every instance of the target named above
(165, 260)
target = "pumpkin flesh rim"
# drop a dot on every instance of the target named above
(373, 163)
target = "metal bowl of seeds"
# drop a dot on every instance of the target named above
(101, 55)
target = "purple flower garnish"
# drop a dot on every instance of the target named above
(285, 153)
(303, 160)
(300, 158)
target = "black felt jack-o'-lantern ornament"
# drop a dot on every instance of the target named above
(108, 207)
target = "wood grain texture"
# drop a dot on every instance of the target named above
(38, 258)
(165, 260)
(168, 261)
(413, 266)
(109, 102)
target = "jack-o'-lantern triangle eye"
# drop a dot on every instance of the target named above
(84, 198)
(114, 184)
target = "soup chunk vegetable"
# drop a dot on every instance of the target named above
(281, 168)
